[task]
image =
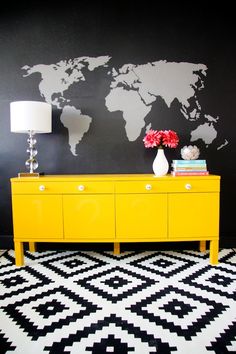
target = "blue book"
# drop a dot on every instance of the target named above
(189, 162)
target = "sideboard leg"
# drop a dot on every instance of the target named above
(214, 249)
(19, 253)
(116, 247)
(32, 247)
(202, 246)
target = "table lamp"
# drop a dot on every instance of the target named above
(31, 117)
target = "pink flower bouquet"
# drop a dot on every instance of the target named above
(160, 138)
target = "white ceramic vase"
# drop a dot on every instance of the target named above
(160, 164)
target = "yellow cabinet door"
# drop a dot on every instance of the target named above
(89, 217)
(193, 215)
(37, 216)
(142, 217)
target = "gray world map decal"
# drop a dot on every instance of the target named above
(133, 91)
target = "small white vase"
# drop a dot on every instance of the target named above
(160, 164)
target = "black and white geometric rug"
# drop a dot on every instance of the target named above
(134, 303)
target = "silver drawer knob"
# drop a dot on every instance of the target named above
(81, 188)
(42, 188)
(148, 187)
(188, 186)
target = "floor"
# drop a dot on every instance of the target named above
(140, 302)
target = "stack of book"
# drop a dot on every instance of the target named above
(189, 168)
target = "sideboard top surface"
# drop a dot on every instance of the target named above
(109, 177)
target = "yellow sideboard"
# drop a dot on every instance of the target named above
(115, 208)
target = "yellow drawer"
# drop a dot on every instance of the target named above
(187, 185)
(37, 187)
(80, 187)
(191, 185)
(84, 187)
(148, 186)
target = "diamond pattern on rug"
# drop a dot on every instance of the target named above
(163, 264)
(179, 311)
(219, 280)
(71, 264)
(137, 302)
(14, 281)
(42, 313)
(111, 335)
(116, 283)
(50, 308)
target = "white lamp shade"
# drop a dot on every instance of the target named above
(31, 116)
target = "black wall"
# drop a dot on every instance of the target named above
(129, 33)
